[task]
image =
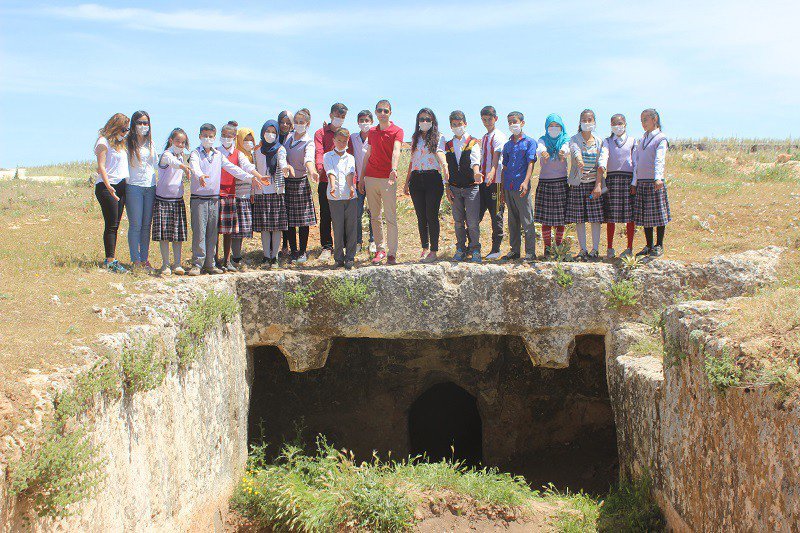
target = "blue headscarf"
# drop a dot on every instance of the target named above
(554, 145)
(270, 150)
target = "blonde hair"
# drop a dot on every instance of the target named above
(115, 127)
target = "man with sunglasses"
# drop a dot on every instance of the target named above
(379, 180)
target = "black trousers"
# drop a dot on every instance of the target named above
(325, 236)
(112, 214)
(303, 231)
(490, 201)
(426, 189)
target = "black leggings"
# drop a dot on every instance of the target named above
(303, 230)
(112, 214)
(648, 235)
(426, 190)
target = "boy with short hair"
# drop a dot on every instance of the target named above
(340, 171)
(491, 190)
(323, 143)
(207, 164)
(358, 143)
(463, 156)
(519, 157)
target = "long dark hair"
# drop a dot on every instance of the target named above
(586, 112)
(431, 137)
(172, 135)
(133, 137)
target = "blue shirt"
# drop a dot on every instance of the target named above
(516, 156)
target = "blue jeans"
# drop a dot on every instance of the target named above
(360, 239)
(139, 204)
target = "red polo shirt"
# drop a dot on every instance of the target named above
(381, 147)
(323, 142)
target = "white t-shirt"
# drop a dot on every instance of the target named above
(116, 163)
(491, 143)
(142, 172)
(339, 169)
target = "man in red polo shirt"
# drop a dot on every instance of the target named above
(379, 180)
(323, 142)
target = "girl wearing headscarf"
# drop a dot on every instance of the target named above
(245, 144)
(552, 192)
(269, 207)
(286, 126)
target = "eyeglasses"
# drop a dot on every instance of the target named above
(383, 111)
(126, 130)
(425, 119)
(142, 123)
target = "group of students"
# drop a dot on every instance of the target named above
(263, 184)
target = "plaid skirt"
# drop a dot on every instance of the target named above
(550, 205)
(580, 208)
(650, 207)
(617, 201)
(269, 213)
(228, 221)
(169, 220)
(244, 215)
(299, 203)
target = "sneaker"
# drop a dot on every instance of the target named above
(476, 256)
(379, 257)
(348, 265)
(459, 256)
(593, 256)
(644, 252)
(627, 253)
(530, 258)
(116, 267)
(582, 257)
(230, 268)
(213, 270)
(430, 258)
(493, 256)
(391, 260)
(194, 271)
(302, 258)
(423, 254)
(548, 254)
(148, 267)
(373, 248)
(511, 256)
(284, 253)
(325, 255)
(610, 253)
(339, 264)
(178, 270)
(165, 271)
(657, 251)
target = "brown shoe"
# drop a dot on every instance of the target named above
(391, 260)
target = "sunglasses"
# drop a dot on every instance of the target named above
(383, 110)
(142, 123)
(426, 119)
(126, 130)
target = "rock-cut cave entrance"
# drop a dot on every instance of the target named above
(479, 394)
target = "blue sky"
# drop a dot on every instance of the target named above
(711, 68)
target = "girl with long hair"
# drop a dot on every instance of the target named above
(109, 188)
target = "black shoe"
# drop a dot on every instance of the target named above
(530, 259)
(348, 265)
(644, 252)
(548, 255)
(263, 261)
(582, 257)
(657, 251)
(339, 264)
(593, 257)
(510, 256)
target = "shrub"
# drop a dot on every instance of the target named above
(299, 298)
(563, 278)
(722, 371)
(630, 507)
(143, 367)
(202, 315)
(348, 292)
(103, 378)
(622, 294)
(580, 513)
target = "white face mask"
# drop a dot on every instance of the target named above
(458, 131)
(619, 131)
(177, 150)
(516, 129)
(554, 131)
(141, 129)
(365, 126)
(207, 142)
(425, 126)
(227, 142)
(249, 145)
(337, 122)
(270, 137)
(587, 126)
(300, 129)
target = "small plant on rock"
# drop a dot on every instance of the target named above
(143, 367)
(348, 292)
(622, 294)
(299, 298)
(631, 262)
(722, 371)
(202, 315)
(563, 277)
(630, 507)
(561, 252)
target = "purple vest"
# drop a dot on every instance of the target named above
(553, 169)
(211, 168)
(170, 182)
(620, 158)
(645, 157)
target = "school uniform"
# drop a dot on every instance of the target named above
(552, 191)
(650, 206)
(169, 209)
(299, 202)
(461, 155)
(204, 202)
(340, 170)
(269, 205)
(580, 207)
(229, 222)
(492, 143)
(517, 155)
(616, 156)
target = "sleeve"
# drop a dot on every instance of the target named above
(168, 159)
(319, 149)
(602, 160)
(234, 170)
(475, 155)
(101, 141)
(310, 154)
(246, 165)
(532, 152)
(399, 135)
(633, 159)
(498, 141)
(440, 144)
(282, 158)
(194, 164)
(326, 163)
(661, 158)
(540, 147)
(574, 149)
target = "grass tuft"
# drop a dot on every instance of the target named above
(630, 507)
(300, 298)
(348, 292)
(143, 367)
(622, 294)
(202, 315)
(722, 371)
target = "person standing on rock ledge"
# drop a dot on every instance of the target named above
(651, 204)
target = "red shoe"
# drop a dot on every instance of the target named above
(379, 257)
(391, 260)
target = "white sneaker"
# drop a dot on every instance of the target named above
(165, 271)
(611, 254)
(493, 256)
(178, 270)
(373, 248)
(325, 255)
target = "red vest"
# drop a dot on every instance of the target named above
(227, 183)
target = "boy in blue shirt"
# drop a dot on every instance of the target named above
(519, 157)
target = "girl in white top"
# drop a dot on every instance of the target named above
(140, 191)
(112, 171)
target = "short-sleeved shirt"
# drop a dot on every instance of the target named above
(382, 146)
(341, 167)
(423, 159)
(359, 147)
(116, 162)
(491, 143)
(516, 156)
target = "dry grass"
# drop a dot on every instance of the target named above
(50, 244)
